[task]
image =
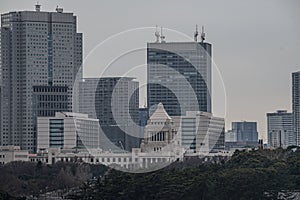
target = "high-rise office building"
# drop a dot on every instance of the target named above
(37, 49)
(246, 131)
(179, 76)
(296, 105)
(115, 102)
(280, 129)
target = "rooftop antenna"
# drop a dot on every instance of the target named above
(162, 37)
(157, 35)
(37, 7)
(202, 35)
(196, 33)
(58, 9)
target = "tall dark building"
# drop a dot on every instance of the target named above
(179, 76)
(115, 102)
(296, 105)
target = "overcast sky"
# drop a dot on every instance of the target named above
(256, 44)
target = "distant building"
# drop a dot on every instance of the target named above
(38, 48)
(243, 135)
(115, 102)
(67, 131)
(296, 105)
(246, 131)
(179, 76)
(280, 129)
(12, 153)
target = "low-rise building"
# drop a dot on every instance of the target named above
(12, 153)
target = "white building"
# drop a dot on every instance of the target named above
(12, 153)
(201, 132)
(67, 130)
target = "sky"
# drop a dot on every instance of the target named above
(256, 44)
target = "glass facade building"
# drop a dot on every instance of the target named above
(179, 76)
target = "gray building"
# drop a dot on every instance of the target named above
(245, 131)
(280, 129)
(37, 49)
(296, 105)
(179, 76)
(115, 102)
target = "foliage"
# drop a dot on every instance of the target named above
(258, 174)
(26, 178)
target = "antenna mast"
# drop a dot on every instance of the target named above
(162, 37)
(202, 35)
(196, 33)
(157, 35)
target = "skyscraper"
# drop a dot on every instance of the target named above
(179, 76)
(296, 105)
(115, 102)
(37, 49)
(280, 129)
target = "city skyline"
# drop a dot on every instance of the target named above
(274, 53)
